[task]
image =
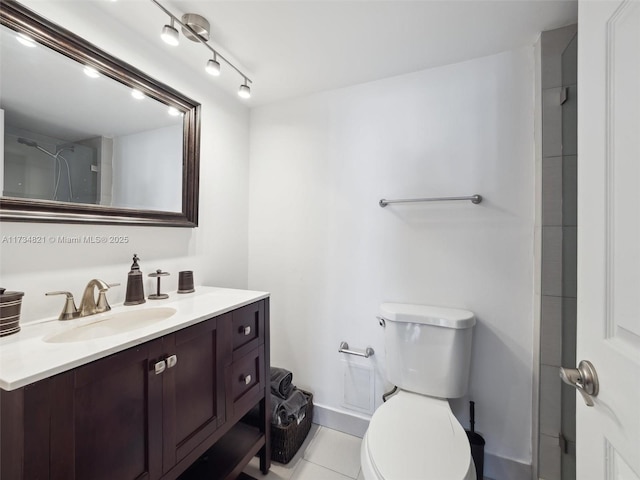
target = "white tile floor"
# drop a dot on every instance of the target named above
(325, 455)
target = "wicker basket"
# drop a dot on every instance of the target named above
(286, 441)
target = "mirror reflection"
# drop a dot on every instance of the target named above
(74, 135)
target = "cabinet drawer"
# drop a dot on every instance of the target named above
(247, 329)
(246, 382)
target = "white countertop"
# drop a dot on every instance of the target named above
(26, 358)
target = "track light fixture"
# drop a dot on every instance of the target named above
(196, 29)
(244, 91)
(213, 66)
(170, 34)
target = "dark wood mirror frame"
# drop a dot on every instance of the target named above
(21, 19)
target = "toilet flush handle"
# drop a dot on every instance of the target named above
(381, 321)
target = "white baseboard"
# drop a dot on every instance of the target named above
(500, 468)
(347, 422)
(495, 467)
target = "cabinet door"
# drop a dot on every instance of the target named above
(106, 419)
(24, 431)
(193, 388)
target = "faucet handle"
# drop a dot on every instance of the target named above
(69, 310)
(102, 305)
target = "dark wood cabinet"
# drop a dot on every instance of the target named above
(106, 418)
(193, 389)
(148, 412)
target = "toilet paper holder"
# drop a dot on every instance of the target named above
(344, 348)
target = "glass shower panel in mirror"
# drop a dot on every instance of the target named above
(47, 168)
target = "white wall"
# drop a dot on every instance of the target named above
(216, 250)
(330, 255)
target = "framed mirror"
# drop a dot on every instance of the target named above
(87, 137)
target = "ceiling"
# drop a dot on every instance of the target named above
(298, 47)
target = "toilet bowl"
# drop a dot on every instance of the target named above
(416, 437)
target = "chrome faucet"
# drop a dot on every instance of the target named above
(89, 305)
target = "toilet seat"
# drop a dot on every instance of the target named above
(416, 437)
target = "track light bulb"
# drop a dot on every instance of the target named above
(91, 72)
(244, 91)
(170, 34)
(137, 94)
(213, 67)
(25, 40)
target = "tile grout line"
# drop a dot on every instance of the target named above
(331, 469)
(310, 447)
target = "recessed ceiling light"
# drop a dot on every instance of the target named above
(173, 111)
(135, 93)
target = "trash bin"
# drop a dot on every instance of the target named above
(476, 442)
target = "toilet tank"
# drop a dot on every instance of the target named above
(428, 349)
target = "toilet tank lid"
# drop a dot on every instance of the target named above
(427, 315)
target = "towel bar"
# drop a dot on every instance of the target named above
(344, 348)
(475, 199)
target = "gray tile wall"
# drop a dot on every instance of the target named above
(559, 251)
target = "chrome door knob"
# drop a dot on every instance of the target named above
(584, 379)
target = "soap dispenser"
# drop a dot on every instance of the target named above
(135, 286)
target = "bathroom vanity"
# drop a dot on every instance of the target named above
(79, 403)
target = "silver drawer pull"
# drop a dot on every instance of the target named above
(161, 366)
(246, 330)
(171, 361)
(246, 379)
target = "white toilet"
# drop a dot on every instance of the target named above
(414, 435)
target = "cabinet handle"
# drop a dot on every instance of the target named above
(161, 366)
(246, 330)
(171, 361)
(246, 379)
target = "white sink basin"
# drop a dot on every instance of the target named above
(113, 324)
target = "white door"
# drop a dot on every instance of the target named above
(608, 434)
